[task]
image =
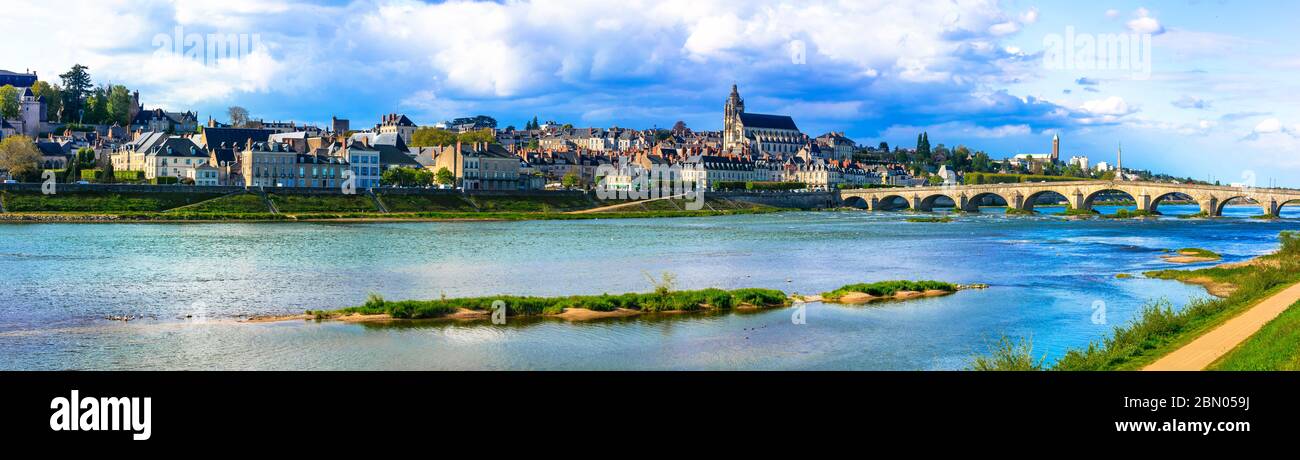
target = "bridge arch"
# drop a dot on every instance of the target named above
(1294, 203)
(928, 203)
(855, 201)
(1092, 198)
(974, 202)
(1180, 196)
(890, 203)
(1050, 194)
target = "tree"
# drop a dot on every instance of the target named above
(119, 106)
(19, 156)
(52, 95)
(406, 177)
(680, 128)
(445, 177)
(569, 180)
(9, 104)
(432, 137)
(482, 135)
(884, 146)
(536, 125)
(76, 88)
(96, 107)
(238, 116)
(981, 163)
(106, 173)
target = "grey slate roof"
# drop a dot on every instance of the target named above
(763, 121)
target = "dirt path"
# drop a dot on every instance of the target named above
(1209, 347)
(625, 205)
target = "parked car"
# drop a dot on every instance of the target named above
(10, 181)
(82, 182)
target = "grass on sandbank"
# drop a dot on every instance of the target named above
(888, 288)
(1198, 252)
(658, 301)
(1159, 329)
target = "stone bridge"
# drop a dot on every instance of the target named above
(1079, 195)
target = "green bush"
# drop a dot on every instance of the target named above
(775, 186)
(977, 178)
(888, 288)
(164, 180)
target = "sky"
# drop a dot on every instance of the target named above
(1204, 89)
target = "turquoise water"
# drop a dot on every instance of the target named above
(61, 280)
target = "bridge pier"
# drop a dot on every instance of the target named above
(917, 204)
(1271, 207)
(1079, 201)
(1017, 201)
(1210, 207)
(1143, 202)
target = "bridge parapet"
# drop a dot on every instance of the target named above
(1079, 194)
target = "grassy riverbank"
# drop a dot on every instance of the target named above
(1275, 347)
(1159, 329)
(249, 206)
(660, 301)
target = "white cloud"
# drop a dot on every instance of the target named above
(1030, 16)
(1144, 23)
(1112, 13)
(1113, 105)
(1004, 28)
(1269, 126)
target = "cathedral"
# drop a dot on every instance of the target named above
(772, 135)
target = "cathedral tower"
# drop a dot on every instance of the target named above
(732, 129)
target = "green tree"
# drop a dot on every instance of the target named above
(106, 173)
(432, 137)
(981, 162)
(119, 105)
(19, 156)
(97, 107)
(445, 177)
(9, 104)
(52, 95)
(76, 88)
(423, 177)
(570, 180)
(482, 135)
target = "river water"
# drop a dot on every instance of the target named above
(1049, 279)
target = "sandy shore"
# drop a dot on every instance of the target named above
(855, 298)
(1188, 257)
(583, 314)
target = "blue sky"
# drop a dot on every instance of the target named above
(1219, 100)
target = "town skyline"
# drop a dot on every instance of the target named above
(977, 81)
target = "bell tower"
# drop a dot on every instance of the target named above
(732, 130)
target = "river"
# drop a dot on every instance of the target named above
(1049, 278)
